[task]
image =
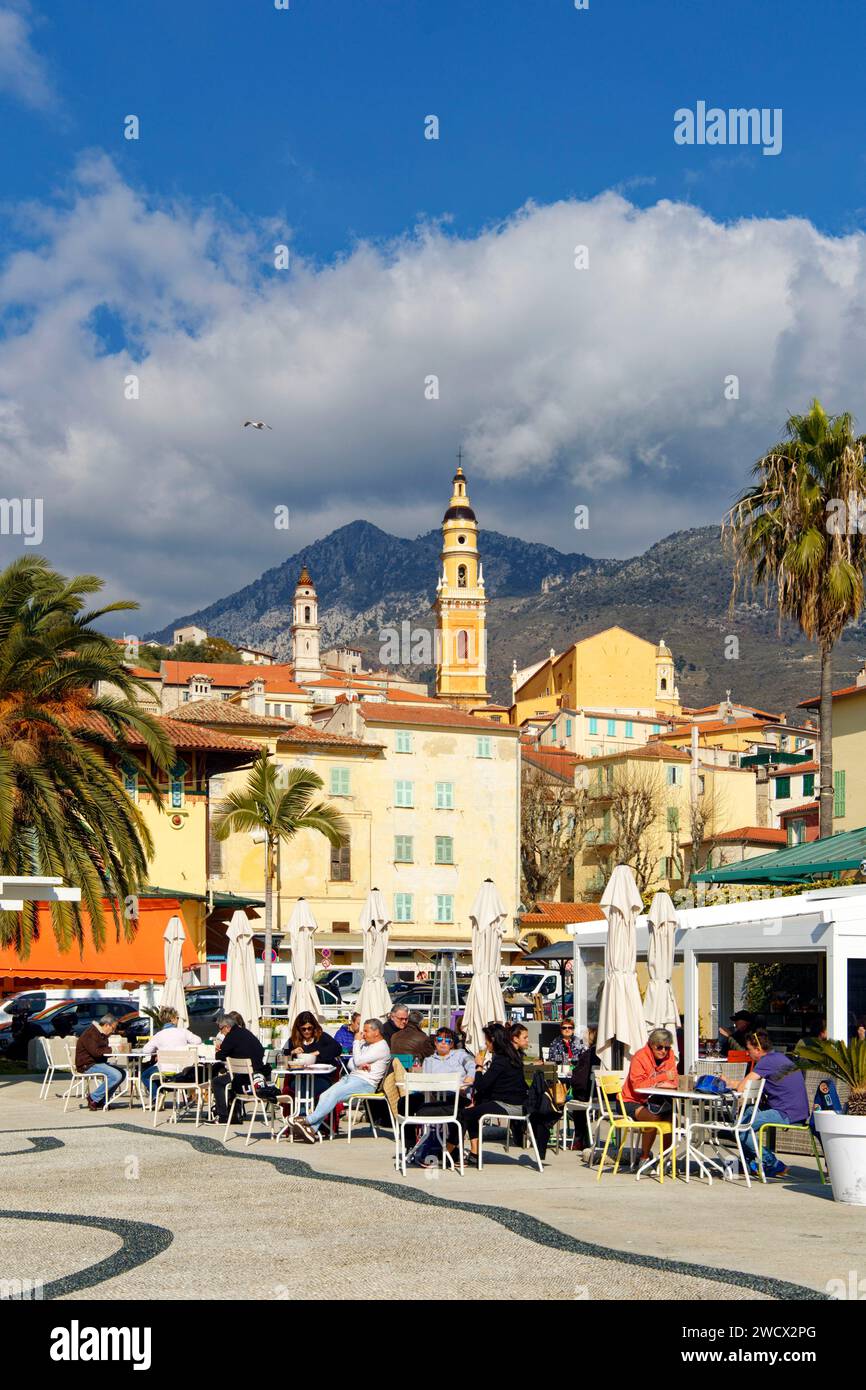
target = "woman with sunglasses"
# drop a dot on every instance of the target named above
(448, 1059)
(310, 1042)
(652, 1065)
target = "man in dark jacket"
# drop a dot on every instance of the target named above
(91, 1051)
(411, 1040)
(237, 1042)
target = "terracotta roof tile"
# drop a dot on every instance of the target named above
(800, 810)
(181, 735)
(563, 912)
(434, 713)
(233, 675)
(791, 769)
(815, 700)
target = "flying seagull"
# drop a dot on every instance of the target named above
(257, 424)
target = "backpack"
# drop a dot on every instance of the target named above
(711, 1085)
(540, 1101)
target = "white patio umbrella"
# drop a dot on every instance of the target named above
(620, 1013)
(374, 1001)
(484, 1003)
(173, 996)
(660, 1005)
(302, 925)
(242, 983)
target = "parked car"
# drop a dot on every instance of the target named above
(70, 1019)
(34, 1001)
(524, 985)
(346, 981)
(420, 995)
(205, 1004)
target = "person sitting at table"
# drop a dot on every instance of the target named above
(235, 1041)
(581, 1087)
(396, 1020)
(565, 1048)
(311, 1042)
(652, 1065)
(171, 1037)
(411, 1042)
(744, 1024)
(784, 1100)
(371, 1057)
(91, 1050)
(500, 1088)
(348, 1032)
(450, 1059)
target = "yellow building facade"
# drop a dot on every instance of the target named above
(461, 604)
(613, 670)
(431, 801)
(849, 754)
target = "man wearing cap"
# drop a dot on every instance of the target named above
(744, 1024)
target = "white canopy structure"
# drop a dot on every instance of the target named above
(302, 927)
(173, 996)
(374, 1001)
(242, 982)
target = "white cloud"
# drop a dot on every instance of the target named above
(602, 386)
(23, 73)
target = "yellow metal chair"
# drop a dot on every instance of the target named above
(621, 1124)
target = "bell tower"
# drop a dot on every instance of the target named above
(305, 628)
(461, 658)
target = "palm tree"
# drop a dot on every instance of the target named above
(278, 807)
(63, 808)
(845, 1061)
(796, 533)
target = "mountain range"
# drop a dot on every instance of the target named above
(538, 598)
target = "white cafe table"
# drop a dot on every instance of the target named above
(682, 1101)
(303, 1102)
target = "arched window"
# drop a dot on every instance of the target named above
(307, 614)
(664, 682)
(462, 645)
(461, 576)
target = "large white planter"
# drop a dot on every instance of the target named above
(844, 1140)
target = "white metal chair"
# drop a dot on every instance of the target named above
(716, 1129)
(446, 1085)
(508, 1121)
(56, 1059)
(242, 1069)
(168, 1065)
(79, 1080)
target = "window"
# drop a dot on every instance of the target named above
(839, 792)
(605, 828)
(461, 576)
(657, 728)
(462, 646)
(339, 781)
(176, 788)
(664, 867)
(674, 776)
(796, 832)
(404, 852)
(444, 849)
(568, 728)
(404, 741)
(611, 728)
(444, 907)
(783, 788)
(593, 726)
(673, 818)
(306, 615)
(402, 907)
(130, 781)
(483, 747)
(595, 751)
(341, 862)
(629, 729)
(404, 793)
(444, 796)
(808, 784)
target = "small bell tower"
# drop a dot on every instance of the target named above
(461, 603)
(305, 629)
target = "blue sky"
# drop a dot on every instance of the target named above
(412, 257)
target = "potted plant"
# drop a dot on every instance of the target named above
(843, 1136)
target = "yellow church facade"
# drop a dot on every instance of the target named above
(611, 670)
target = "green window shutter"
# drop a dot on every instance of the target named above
(404, 741)
(339, 781)
(402, 907)
(839, 792)
(444, 796)
(673, 818)
(611, 728)
(568, 728)
(444, 907)
(783, 788)
(483, 746)
(403, 849)
(404, 793)
(629, 729)
(444, 849)
(593, 726)
(808, 784)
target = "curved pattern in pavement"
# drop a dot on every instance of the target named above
(141, 1242)
(41, 1144)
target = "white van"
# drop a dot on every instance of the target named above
(526, 984)
(33, 1001)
